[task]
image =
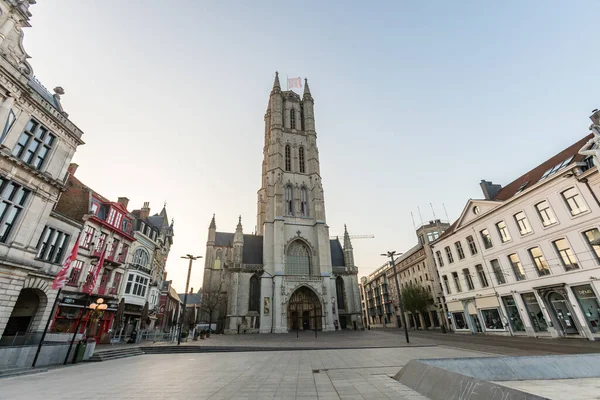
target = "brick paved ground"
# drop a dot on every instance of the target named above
(306, 374)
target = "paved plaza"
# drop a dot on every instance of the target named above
(305, 374)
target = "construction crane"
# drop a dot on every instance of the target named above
(354, 237)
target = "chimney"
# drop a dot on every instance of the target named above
(72, 169)
(489, 189)
(123, 201)
(145, 211)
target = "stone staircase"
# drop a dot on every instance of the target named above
(6, 373)
(106, 355)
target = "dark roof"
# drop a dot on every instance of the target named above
(337, 253)
(45, 93)
(568, 156)
(253, 249)
(223, 239)
(253, 246)
(192, 298)
(156, 221)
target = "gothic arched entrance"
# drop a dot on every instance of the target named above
(304, 310)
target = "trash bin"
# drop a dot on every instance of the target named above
(80, 351)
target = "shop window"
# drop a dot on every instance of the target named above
(491, 319)
(536, 316)
(589, 305)
(514, 318)
(459, 320)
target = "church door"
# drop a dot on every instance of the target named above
(304, 310)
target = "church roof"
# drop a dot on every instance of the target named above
(253, 246)
(337, 253)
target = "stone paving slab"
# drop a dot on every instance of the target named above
(310, 374)
(559, 389)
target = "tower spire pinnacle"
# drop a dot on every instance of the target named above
(306, 88)
(213, 224)
(276, 85)
(347, 243)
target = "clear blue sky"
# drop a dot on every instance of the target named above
(415, 102)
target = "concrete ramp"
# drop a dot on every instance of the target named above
(470, 378)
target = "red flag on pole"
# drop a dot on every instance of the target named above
(294, 82)
(62, 276)
(93, 274)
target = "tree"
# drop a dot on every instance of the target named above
(213, 299)
(415, 299)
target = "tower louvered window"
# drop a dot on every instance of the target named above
(293, 118)
(304, 202)
(289, 200)
(288, 158)
(301, 158)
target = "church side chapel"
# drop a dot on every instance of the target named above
(289, 275)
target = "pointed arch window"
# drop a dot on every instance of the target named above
(289, 200)
(301, 158)
(340, 292)
(254, 295)
(297, 261)
(288, 158)
(293, 118)
(304, 202)
(140, 258)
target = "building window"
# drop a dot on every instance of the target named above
(472, 246)
(512, 312)
(254, 298)
(566, 254)
(503, 231)
(574, 201)
(51, 245)
(459, 250)
(456, 282)
(545, 213)
(446, 284)
(341, 292)
(498, 273)
(140, 258)
(459, 320)
(540, 262)
(111, 216)
(535, 312)
(304, 202)
(592, 237)
(124, 251)
(288, 158)
(101, 242)
(468, 279)
(136, 285)
(589, 305)
(75, 273)
(301, 159)
(522, 223)
(13, 197)
(431, 236)
(297, 259)
(113, 249)
(34, 144)
(440, 260)
(87, 238)
(491, 319)
(116, 283)
(449, 254)
(289, 200)
(481, 274)
(487, 239)
(517, 267)
(293, 118)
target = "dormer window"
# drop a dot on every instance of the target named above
(293, 118)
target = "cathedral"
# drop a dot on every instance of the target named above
(289, 275)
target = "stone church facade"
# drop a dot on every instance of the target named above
(289, 274)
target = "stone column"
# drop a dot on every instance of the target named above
(5, 29)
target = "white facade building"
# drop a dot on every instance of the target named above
(529, 258)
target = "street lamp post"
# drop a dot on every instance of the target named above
(391, 255)
(187, 284)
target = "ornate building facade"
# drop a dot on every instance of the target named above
(289, 275)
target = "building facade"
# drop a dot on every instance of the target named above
(416, 266)
(108, 229)
(377, 306)
(530, 259)
(37, 142)
(289, 275)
